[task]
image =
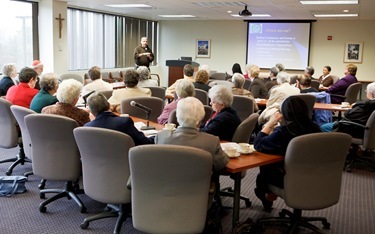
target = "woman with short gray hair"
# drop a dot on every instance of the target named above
(145, 78)
(49, 84)
(9, 73)
(238, 81)
(68, 95)
(225, 120)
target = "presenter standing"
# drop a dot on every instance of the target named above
(143, 55)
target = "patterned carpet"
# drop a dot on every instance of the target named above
(353, 214)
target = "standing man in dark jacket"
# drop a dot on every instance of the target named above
(143, 55)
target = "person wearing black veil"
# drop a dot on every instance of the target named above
(236, 68)
(275, 140)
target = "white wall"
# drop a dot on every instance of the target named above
(228, 44)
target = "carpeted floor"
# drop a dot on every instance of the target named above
(19, 213)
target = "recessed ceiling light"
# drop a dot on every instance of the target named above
(229, 12)
(346, 11)
(329, 2)
(252, 16)
(335, 15)
(128, 5)
(177, 16)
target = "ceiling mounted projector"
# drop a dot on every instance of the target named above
(245, 12)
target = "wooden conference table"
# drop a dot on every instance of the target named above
(317, 106)
(235, 166)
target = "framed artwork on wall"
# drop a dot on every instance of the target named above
(353, 52)
(203, 48)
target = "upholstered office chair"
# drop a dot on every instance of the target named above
(365, 143)
(315, 84)
(105, 77)
(170, 187)
(115, 76)
(107, 93)
(19, 113)
(9, 134)
(351, 93)
(55, 155)
(202, 96)
(313, 166)
(75, 76)
(155, 77)
(218, 76)
(155, 104)
(309, 100)
(241, 135)
(293, 79)
(244, 106)
(157, 92)
(208, 113)
(105, 169)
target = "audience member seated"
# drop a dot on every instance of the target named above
(275, 140)
(236, 68)
(24, 92)
(272, 80)
(326, 79)
(188, 75)
(224, 120)
(190, 112)
(277, 96)
(145, 78)
(304, 84)
(238, 81)
(201, 79)
(247, 69)
(184, 89)
(309, 72)
(9, 73)
(104, 118)
(359, 113)
(280, 66)
(68, 95)
(38, 67)
(97, 84)
(257, 87)
(340, 87)
(49, 84)
(132, 90)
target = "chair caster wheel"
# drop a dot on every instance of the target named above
(43, 209)
(83, 210)
(248, 203)
(84, 225)
(8, 173)
(42, 184)
(42, 195)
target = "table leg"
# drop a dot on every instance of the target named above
(236, 198)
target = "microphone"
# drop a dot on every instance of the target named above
(140, 106)
(148, 112)
(87, 95)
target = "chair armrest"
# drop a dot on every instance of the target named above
(336, 95)
(128, 184)
(345, 122)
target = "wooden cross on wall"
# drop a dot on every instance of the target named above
(60, 19)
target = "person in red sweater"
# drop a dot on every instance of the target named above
(23, 93)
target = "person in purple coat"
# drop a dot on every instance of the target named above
(341, 85)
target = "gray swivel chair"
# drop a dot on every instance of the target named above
(351, 93)
(315, 84)
(105, 169)
(170, 188)
(366, 142)
(9, 134)
(218, 76)
(115, 76)
(157, 92)
(241, 135)
(107, 93)
(105, 76)
(202, 96)
(309, 100)
(155, 77)
(155, 104)
(313, 166)
(74, 76)
(244, 106)
(55, 155)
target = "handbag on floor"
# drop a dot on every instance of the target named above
(10, 185)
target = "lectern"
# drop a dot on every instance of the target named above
(176, 69)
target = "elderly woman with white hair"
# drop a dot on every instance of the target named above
(225, 120)
(144, 78)
(68, 95)
(184, 89)
(48, 87)
(9, 73)
(190, 112)
(238, 81)
(277, 96)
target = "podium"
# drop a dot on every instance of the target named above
(176, 69)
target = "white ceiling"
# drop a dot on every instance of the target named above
(217, 9)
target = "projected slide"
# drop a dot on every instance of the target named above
(269, 43)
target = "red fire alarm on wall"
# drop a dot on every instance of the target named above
(329, 38)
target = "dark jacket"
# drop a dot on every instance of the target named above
(5, 83)
(258, 88)
(340, 88)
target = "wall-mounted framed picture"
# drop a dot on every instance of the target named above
(203, 48)
(353, 52)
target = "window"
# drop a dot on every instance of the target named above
(105, 40)
(18, 37)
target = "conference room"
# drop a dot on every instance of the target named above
(227, 38)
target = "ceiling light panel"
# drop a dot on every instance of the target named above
(348, 2)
